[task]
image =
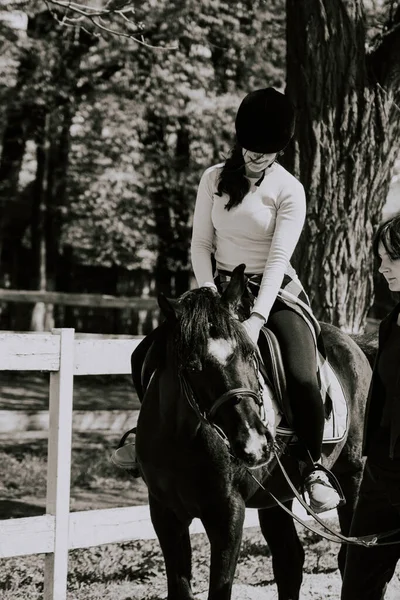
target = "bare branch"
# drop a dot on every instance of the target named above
(121, 13)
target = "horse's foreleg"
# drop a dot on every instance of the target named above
(286, 550)
(174, 539)
(224, 527)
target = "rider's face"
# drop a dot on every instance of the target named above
(257, 162)
(390, 269)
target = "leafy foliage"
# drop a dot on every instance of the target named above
(147, 120)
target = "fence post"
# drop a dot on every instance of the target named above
(59, 467)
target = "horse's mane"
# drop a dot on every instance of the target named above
(202, 315)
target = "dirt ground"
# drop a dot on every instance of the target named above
(254, 577)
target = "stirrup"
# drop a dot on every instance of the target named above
(332, 480)
(132, 468)
(126, 434)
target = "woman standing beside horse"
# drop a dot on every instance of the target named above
(369, 570)
(250, 210)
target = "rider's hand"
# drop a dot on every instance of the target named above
(211, 285)
(253, 326)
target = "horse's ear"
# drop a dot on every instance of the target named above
(235, 287)
(168, 307)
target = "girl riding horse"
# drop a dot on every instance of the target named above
(251, 210)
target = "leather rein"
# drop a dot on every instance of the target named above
(331, 534)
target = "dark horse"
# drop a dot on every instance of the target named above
(207, 389)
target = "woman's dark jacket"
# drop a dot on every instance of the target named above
(376, 395)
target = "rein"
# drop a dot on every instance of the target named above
(331, 534)
(370, 540)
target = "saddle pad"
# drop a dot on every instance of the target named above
(337, 423)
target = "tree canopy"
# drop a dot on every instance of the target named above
(105, 136)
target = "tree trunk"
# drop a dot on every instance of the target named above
(57, 187)
(183, 209)
(21, 119)
(345, 145)
(39, 245)
(158, 181)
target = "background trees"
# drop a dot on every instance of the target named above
(348, 96)
(104, 139)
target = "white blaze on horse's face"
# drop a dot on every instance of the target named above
(255, 447)
(221, 349)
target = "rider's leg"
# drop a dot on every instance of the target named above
(125, 455)
(138, 357)
(299, 357)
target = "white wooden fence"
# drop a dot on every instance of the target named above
(58, 531)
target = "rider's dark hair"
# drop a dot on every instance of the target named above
(232, 179)
(388, 234)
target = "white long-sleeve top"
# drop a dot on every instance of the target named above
(262, 231)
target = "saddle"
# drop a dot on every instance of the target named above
(276, 399)
(273, 371)
(150, 363)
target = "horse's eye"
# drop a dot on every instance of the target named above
(194, 366)
(194, 369)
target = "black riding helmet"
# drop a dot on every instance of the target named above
(265, 121)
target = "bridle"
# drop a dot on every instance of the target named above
(207, 417)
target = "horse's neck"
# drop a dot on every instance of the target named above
(173, 405)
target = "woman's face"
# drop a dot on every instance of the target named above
(255, 162)
(390, 269)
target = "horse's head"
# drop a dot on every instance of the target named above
(217, 366)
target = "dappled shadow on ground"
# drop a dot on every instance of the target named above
(15, 509)
(30, 391)
(18, 443)
(95, 481)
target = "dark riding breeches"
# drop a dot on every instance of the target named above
(369, 570)
(299, 358)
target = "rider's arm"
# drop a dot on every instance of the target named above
(203, 231)
(291, 212)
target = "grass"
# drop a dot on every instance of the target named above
(29, 390)
(100, 572)
(22, 477)
(95, 481)
(24, 473)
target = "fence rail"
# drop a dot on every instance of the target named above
(67, 299)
